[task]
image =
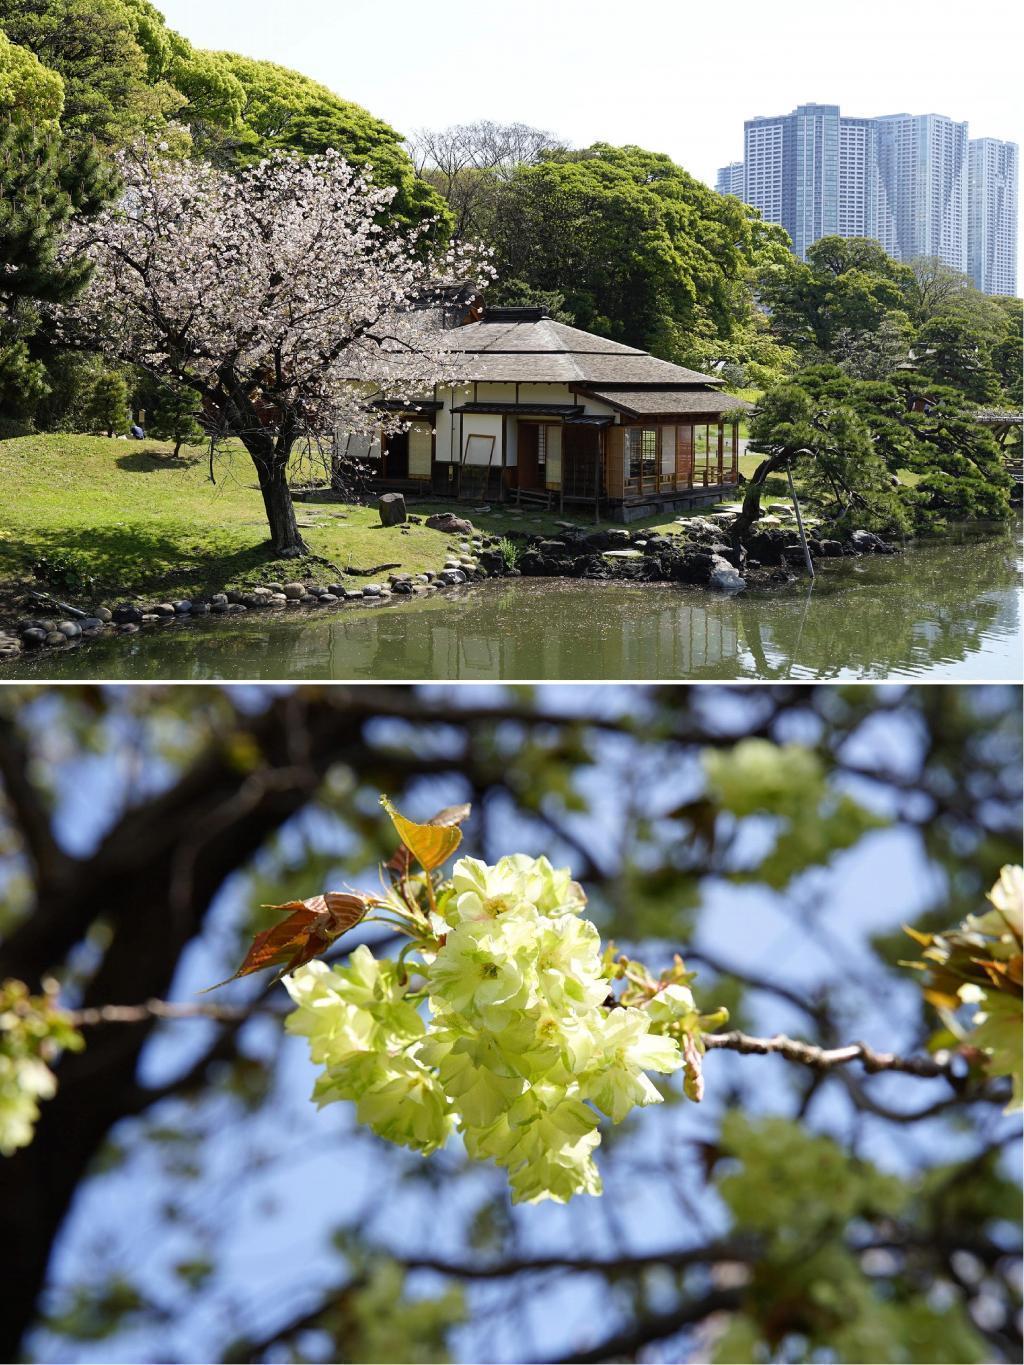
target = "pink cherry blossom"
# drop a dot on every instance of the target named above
(281, 293)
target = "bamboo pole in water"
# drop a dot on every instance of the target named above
(799, 518)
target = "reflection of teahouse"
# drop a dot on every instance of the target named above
(555, 415)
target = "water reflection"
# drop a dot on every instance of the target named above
(944, 610)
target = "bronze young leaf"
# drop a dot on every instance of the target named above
(310, 928)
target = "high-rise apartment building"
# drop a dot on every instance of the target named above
(992, 180)
(791, 171)
(858, 177)
(902, 179)
(922, 187)
(764, 170)
(730, 179)
(815, 194)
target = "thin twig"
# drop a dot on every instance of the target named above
(159, 1009)
(822, 1058)
(808, 1054)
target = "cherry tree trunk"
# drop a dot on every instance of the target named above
(272, 469)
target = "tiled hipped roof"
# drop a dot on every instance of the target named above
(668, 402)
(542, 351)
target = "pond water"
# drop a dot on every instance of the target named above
(948, 609)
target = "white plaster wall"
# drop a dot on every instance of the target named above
(592, 405)
(511, 442)
(443, 426)
(495, 393)
(545, 393)
(553, 473)
(481, 424)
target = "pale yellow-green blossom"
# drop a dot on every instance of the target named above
(504, 1025)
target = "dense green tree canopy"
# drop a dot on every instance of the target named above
(951, 351)
(125, 73)
(92, 76)
(845, 285)
(279, 109)
(111, 87)
(28, 89)
(640, 250)
(862, 433)
(820, 424)
(777, 837)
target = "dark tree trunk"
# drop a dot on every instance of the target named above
(271, 461)
(154, 875)
(751, 509)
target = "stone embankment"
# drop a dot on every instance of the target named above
(696, 551)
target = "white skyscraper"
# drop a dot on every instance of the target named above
(906, 180)
(730, 179)
(992, 215)
(762, 161)
(858, 177)
(922, 187)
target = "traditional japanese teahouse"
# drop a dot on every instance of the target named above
(555, 415)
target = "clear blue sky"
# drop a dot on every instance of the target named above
(669, 75)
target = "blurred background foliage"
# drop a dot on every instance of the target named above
(182, 1199)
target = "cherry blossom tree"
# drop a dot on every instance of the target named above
(279, 293)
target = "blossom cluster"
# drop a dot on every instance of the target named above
(978, 964)
(32, 1031)
(285, 280)
(504, 1026)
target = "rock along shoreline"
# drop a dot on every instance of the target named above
(698, 555)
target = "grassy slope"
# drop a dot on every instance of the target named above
(137, 520)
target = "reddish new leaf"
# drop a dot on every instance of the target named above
(310, 928)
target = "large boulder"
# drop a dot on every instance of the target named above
(867, 543)
(598, 540)
(692, 565)
(724, 577)
(494, 562)
(392, 509)
(450, 524)
(767, 546)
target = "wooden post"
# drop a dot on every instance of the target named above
(799, 521)
(598, 472)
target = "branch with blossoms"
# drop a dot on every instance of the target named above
(281, 294)
(792, 1049)
(502, 1017)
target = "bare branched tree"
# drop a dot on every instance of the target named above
(465, 162)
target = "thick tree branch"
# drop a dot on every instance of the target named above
(679, 1258)
(807, 1054)
(50, 864)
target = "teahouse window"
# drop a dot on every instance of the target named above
(642, 452)
(668, 452)
(542, 447)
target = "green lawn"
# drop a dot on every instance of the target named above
(137, 520)
(134, 518)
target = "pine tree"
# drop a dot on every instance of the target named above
(175, 416)
(108, 405)
(41, 187)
